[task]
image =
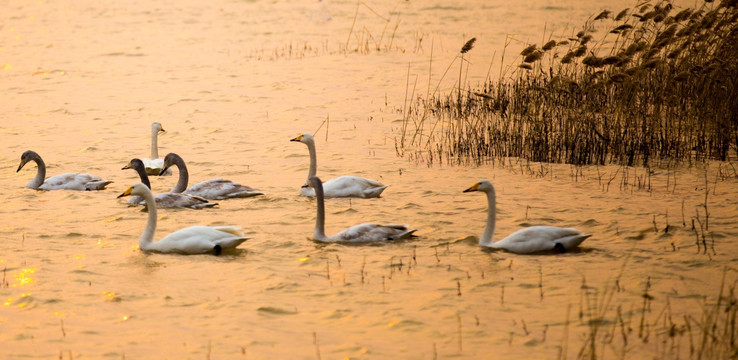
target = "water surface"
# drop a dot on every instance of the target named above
(232, 82)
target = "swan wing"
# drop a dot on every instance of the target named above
(175, 200)
(199, 239)
(541, 238)
(74, 181)
(352, 186)
(369, 232)
(218, 189)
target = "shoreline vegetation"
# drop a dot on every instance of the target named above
(644, 85)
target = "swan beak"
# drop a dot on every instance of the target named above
(20, 166)
(164, 169)
(299, 138)
(474, 187)
(126, 193)
(128, 166)
(161, 130)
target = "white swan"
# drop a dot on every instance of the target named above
(70, 181)
(528, 240)
(366, 232)
(215, 189)
(191, 240)
(165, 200)
(342, 186)
(155, 164)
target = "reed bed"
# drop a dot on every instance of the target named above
(659, 84)
(624, 327)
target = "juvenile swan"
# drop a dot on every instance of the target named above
(214, 189)
(70, 181)
(155, 164)
(366, 232)
(165, 200)
(191, 240)
(528, 240)
(342, 186)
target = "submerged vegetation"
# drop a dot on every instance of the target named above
(622, 326)
(660, 84)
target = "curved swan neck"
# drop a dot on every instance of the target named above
(489, 229)
(319, 232)
(40, 172)
(142, 175)
(154, 141)
(147, 238)
(184, 176)
(313, 159)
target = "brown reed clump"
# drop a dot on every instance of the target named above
(660, 84)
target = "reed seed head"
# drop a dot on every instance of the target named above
(468, 46)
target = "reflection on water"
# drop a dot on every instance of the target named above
(82, 84)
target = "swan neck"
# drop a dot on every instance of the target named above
(154, 143)
(40, 173)
(184, 176)
(147, 238)
(319, 232)
(143, 176)
(313, 160)
(489, 229)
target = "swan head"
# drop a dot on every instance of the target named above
(305, 138)
(169, 160)
(157, 128)
(134, 164)
(27, 157)
(136, 189)
(482, 185)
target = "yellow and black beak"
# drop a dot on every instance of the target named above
(126, 193)
(128, 166)
(474, 187)
(22, 163)
(299, 138)
(161, 129)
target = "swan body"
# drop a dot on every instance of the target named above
(154, 164)
(214, 189)
(342, 186)
(528, 240)
(69, 181)
(366, 232)
(165, 200)
(197, 239)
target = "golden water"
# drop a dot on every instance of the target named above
(232, 82)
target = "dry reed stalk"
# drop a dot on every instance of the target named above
(317, 346)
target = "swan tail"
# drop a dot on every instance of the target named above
(571, 242)
(232, 243)
(203, 205)
(374, 191)
(97, 185)
(246, 193)
(404, 235)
